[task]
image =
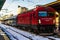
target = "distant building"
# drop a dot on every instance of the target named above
(24, 9)
(21, 9)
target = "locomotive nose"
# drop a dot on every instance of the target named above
(46, 21)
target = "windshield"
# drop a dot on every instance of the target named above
(50, 14)
(42, 13)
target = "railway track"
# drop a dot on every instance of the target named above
(51, 37)
(21, 34)
(13, 36)
(29, 36)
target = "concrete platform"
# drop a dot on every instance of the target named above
(3, 36)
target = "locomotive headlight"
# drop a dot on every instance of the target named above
(39, 21)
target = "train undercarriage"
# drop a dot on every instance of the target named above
(39, 29)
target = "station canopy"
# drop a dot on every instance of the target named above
(1, 3)
(55, 5)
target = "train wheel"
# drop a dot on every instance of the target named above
(23, 28)
(36, 31)
(27, 29)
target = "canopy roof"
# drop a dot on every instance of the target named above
(55, 5)
(1, 3)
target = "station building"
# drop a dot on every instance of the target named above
(21, 9)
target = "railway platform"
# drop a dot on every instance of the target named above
(3, 36)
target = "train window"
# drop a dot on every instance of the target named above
(42, 13)
(50, 14)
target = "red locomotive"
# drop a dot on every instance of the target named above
(41, 20)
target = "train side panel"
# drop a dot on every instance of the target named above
(34, 18)
(24, 19)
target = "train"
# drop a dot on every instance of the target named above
(38, 20)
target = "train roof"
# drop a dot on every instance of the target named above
(50, 9)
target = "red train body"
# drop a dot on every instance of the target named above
(41, 19)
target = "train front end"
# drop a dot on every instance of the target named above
(46, 20)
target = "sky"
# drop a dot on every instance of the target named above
(12, 5)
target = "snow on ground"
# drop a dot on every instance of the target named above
(20, 37)
(32, 36)
(16, 33)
